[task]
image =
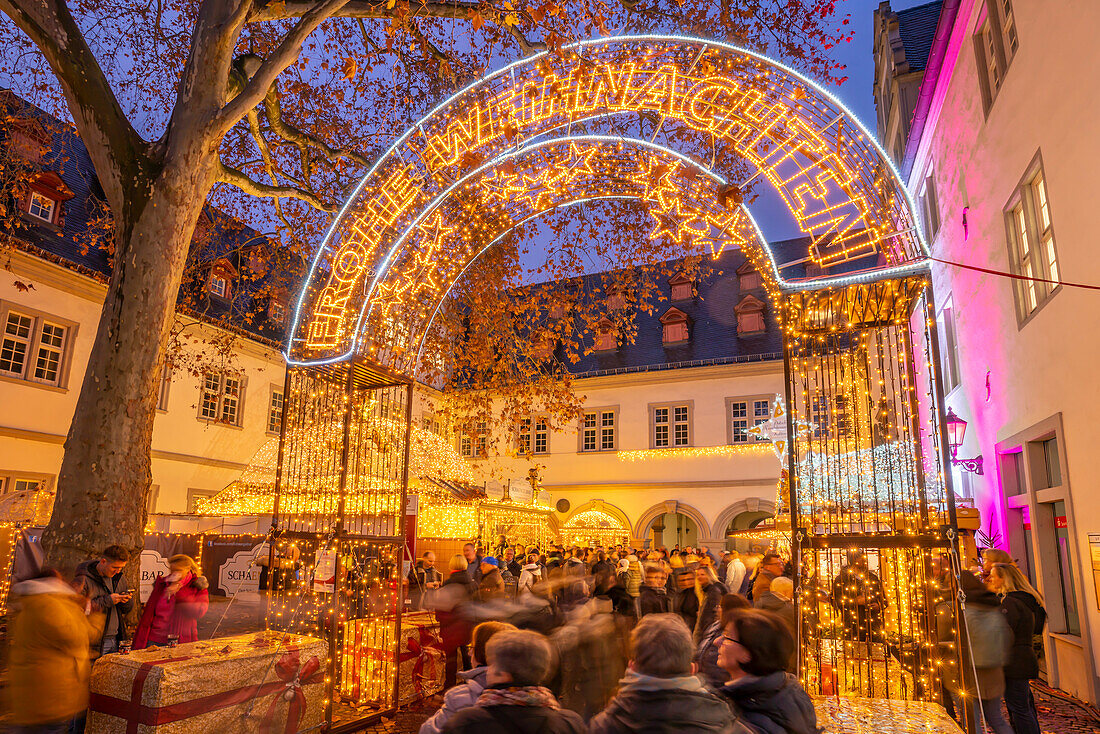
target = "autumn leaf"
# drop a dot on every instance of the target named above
(537, 14)
(350, 68)
(476, 20)
(511, 19)
(23, 287)
(730, 194)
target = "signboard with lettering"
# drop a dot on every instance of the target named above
(229, 562)
(154, 558)
(494, 490)
(520, 490)
(324, 575)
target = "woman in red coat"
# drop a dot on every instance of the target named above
(179, 600)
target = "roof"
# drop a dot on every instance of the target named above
(917, 28)
(75, 242)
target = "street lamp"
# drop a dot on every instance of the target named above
(956, 430)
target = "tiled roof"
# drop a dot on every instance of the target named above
(917, 27)
(73, 244)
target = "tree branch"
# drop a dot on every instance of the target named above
(275, 64)
(286, 131)
(120, 156)
(458, 9)
(233, 177)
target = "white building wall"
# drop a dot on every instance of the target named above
(708, 490)
(189, 454)
(1023, 383)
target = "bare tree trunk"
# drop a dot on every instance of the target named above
(105, 475)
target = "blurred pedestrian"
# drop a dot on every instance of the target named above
(685, 600)
(472, 682)
(735, 572)
(1023, 608)
(491, 586)
(755, 648)
(770, 567)
(709, 590)
(473, 562)
(515, 702)
(102, 581)
(450, 604)
(178, 601)
(653, 597)
(779, 600)
(529, 575)
(658, 694)
(49, 660)
(990, 638)
(706, 652)
(860, 597)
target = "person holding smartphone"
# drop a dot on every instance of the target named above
(102, 581)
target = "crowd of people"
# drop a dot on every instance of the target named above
(608, 640)
(61, 626)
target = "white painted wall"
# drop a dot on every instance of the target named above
(1047, 104)
(188, 453)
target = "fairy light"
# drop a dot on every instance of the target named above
(696, 452)
(592, 528)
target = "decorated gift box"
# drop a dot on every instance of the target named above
(882, 716)
(367, 667)
(260, 682)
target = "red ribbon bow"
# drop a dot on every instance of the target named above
(428, 650)
(293, 674)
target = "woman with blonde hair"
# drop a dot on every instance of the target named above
(179, 600)
(450, 605)
(709, 591)
(1023, 609)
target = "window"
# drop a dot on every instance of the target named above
(607, 336)
(747, 277)
(995, 45)
(745, 412)
(750, 315)
(1050, 473)
(674, 327)
(671, 425)
(27, 485)
(739, 421)
(682, 288)
(473, 439)
(929, 207)
(598, 430)
(951, 377)
(165, 385)
(1030, 229)
(34, 346)
(1067, 588)
(275, 411)
(221, 398)
(218, 286)
(761, 413)
(41, 206)
(277, 312)
(539, 442)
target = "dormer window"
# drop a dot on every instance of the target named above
(616, 300)
(674, 326)
(747, 277)
(41, 207)
(220, 282)
(45, 193)
(750, 316)
(607, 336)
(276, 312)
(683, 288)
(218, 286)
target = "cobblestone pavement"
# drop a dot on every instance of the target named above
(1058, 714)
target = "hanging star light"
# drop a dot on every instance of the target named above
(775, 428)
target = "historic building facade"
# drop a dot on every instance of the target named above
(1002, 156)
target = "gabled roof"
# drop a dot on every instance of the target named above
(73, 244)
(917, 28)
(673, 315)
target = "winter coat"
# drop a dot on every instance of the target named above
(419, 578)
(634, 577)
(708, 610)
(686, 604)
(529, 575)
(188, 606)
(654, 600)
(450, 609)
(49, 659)
(514, 719)
(783, 607)
(706, 658)
(514, 567)
(459, 697)
(761, 585)
(99, 590)
(990, 637)
(491, 586)
(773, 704)
(1026, 618)
(735, 574)
(646, 704)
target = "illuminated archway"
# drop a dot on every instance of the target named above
(595, 526)
(507, 149)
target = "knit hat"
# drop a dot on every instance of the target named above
(491, 560)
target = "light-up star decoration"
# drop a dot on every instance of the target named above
(775, 428)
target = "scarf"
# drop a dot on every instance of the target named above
(518, 696)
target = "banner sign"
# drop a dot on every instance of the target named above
(229, 562)
(154, 558)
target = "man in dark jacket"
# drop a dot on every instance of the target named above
(491, 585)
(473, 561)
(515, 701)
(659, 694)
(510, 563)
(755, 648)
(423, 581)
(653, 597)
(102, 582)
